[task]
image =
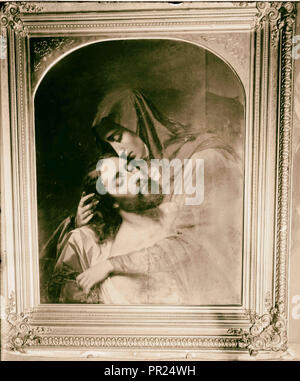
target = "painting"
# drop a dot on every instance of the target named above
(165, 102)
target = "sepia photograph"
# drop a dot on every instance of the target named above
(143, 99)
(149, 181)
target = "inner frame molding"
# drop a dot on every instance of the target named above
(259, 325)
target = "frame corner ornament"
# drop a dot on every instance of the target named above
(10, 18)
(267, 332)
(278, 15)
(18, 334)
(10, 15)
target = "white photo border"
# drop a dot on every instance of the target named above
(259, 325)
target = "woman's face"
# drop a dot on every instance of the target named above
(125, 141)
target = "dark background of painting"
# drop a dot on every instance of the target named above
(187, 83)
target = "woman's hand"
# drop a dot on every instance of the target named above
(95, 274)
(85, 211)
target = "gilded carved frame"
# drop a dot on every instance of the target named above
(231, 30)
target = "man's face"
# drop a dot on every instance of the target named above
(130, 186)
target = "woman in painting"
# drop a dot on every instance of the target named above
(211, 231)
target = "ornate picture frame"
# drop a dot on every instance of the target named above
(256, 40)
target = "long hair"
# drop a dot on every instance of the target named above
(105, 223)
(106, 220)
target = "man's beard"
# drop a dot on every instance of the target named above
(143, 203)
(140, 203)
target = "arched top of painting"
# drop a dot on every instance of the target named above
(146, 57)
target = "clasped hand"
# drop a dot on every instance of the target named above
(95, 274)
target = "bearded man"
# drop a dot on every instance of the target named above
(124, 221)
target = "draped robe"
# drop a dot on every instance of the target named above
(201, 262)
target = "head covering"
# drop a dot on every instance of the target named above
(130, 109)
(163, 137)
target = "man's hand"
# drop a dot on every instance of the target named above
(95, 274)
(85, 211)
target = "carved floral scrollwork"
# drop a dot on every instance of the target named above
(240, 4)
(45, 49)
(267, 332)
(10, 17)
(18, 334)
(277, 14)
(29, 7)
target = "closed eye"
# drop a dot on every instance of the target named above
(115, 137)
